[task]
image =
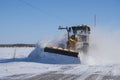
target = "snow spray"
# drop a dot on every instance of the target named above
(104, 48)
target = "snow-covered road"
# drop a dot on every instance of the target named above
(38, 71)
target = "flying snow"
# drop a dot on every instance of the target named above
(104, 48)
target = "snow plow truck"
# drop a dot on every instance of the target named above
(77, 41)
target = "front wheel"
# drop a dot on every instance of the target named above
(85, 47)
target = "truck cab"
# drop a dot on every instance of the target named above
(81, 36)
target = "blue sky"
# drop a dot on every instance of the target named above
(28, 21)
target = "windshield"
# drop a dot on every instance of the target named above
(80, 31)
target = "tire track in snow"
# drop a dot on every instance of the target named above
(72, 72)
(53, 76)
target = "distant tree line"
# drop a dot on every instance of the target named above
(17, 45)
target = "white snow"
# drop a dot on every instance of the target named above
(103, 60)
(14, 52)
(11, 68)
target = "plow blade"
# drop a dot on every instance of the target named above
(61, 51)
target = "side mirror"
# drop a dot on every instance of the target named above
(60, 27)
(69, 29)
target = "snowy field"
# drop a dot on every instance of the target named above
(15, 64)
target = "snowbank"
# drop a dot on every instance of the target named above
(50, 58)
